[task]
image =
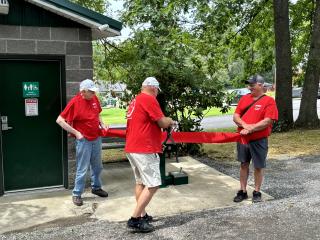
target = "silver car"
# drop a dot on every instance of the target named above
(237, 94)
(297, 92)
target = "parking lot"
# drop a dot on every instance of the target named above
(225, 121)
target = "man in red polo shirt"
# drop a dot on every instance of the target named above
(254, 117)
(81, 118)
(143, 143)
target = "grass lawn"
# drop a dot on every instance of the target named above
(113, 116)
(216, 112)
(295, 143)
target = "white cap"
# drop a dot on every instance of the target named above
(151, 81)
(88, 84)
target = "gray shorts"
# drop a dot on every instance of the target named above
(255, 150)
(146, 168)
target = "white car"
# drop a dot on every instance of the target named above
(238, 93)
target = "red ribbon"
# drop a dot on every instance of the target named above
(188, 137)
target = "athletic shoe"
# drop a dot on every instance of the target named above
(241, 195)
(256, 197)
(99, 192)
(77, 200)
(148, 218)
(139, 225)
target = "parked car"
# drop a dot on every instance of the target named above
(237, 94)
(297, 92)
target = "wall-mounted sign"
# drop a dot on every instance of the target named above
(31, 107)
(30, 89)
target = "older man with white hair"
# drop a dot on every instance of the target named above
(81, 118)
(143, 143)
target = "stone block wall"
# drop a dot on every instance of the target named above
(73, 43)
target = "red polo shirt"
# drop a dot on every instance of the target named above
(83, 115)
(265, 107)
(143, 132)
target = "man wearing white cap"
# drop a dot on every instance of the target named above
(143, 143)
(81, 118)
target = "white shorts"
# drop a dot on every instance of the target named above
(146, 168)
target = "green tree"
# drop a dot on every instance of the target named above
(95, 5)
(283, 65)
(308, 117)
(166, 50)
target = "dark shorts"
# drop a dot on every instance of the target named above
(255, 150)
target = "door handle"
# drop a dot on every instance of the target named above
(5, 127)
(4, 123)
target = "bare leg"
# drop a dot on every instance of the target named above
(138, 190)
(258, 178)
(144, 199)
(244, 173)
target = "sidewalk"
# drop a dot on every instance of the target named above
(207, 189)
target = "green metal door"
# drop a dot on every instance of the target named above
(32, 143)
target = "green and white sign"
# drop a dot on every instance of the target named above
(30, 89)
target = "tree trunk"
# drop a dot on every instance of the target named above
(308, 117)
(283, 65)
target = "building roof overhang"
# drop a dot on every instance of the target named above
(101, 26)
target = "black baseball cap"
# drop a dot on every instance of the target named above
(255, 79)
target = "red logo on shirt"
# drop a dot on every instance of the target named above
(131, 109)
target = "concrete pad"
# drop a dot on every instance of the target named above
(207, 189)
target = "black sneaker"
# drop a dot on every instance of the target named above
(256, 196)
(77, 200)
(148, 218)
(241, 195)
(139, 225)
(99, 192)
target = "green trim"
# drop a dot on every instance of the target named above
(87, 13)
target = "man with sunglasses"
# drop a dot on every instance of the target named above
(254, 117)
(81, 118)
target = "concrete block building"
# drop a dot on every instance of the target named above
(45, 51)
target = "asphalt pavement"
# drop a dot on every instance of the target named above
(225, 121)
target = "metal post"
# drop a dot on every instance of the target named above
(165, 179)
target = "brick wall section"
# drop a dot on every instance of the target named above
(73, 43)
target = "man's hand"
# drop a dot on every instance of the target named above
(102, 125)
(175, 125)
(165, 122)
(249, 127)
(244, 132)
(79, 135)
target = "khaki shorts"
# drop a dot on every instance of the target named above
(146, 168)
